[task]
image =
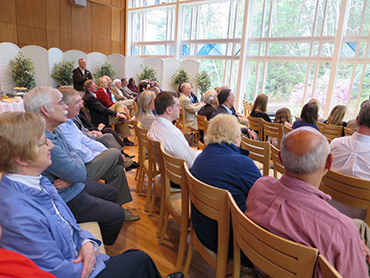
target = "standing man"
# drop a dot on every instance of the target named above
(189, 107)
(80, 75)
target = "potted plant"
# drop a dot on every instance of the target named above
(180, 76)
(105, 69)
(23, 71)
(63, 73)
(204, 81)
(148, 73)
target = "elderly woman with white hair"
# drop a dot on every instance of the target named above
(119, 96)
(211, 102)
(225, 165)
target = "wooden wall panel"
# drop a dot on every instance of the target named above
(31, 13)
(65, 16)
(8, 32)
(29, 35)
(117, 3)
(116, 25)
(52, 15)
(82, 43)
(7, 11)
(52, 39)
(101, 45)
(81, 20)
(101, 21)
(65, 41)
(116, 47)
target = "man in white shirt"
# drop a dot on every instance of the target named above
(168, 107)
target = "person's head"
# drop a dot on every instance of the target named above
(217, 89)
(108, 80)
(210, 97)
(47, 101)
(82, 63)
(186, 89)
(223, 128)
(224, 86)
(90, 86)
(310, 113)
(337, 115)
(102, 83)
(167, 104)
(260, 104)
(226, 97)
(145, 103)
(154, 89)
(282, 116)
(363, 118)
(124, 82)
(317, 102)
(72, 99)
(143, 85)
(117, 83)
(131, 81)
(23, 142)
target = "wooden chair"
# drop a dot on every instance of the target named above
(260, 152)
(154, 162)
(202, 126)
(142, 157)
(177, 204)
(181, 124)
(213, 203)
(272, 130)
(274, 255)
(348, 131)
(327, 270)
(256, 125)
(278, 167)
(287, 129)
(348, 190)
(247, 108)
(330, 131)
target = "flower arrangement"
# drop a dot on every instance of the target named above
(23, 71)
(63, 73)
(105, 69)
(147, 73)
(204, 81)
(180, 76)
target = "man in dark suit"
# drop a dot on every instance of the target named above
(80, 75)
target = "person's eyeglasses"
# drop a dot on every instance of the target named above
(44, 143)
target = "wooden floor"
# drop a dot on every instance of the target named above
(142, 235)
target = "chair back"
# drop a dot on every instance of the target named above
(330, 131)
(348, 190)
(202, 127)
(213, 203)
(256, 124)
(327, 270)
(272, 130)
(348, 131)
(258, 151)
(287, 129)
(274, 255)
(278, 167)
(141, 134)
(247, 108)
(155, 153)
(181, 120)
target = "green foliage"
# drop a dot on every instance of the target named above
(23, 71)
(147, 73)
(204, 81)
(105, 69)
(63, 73)
(180, 76)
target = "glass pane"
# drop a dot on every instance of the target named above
(322, 81)
(156, 25)
(293, 18)
(320, 17)
(348, 49)
(331, 18)
(354, 17)
(187, 22)
(362, 49)
(185, 50)
(135, 27)
(257, 19)
(250, 82)
(341, 90)
(315, 49)
(234, 75)
(263, 49)
(351, 112)
(215, 69)
(238, 47)
(172, 49)
(239, 20)
(267, 19)
(212, 49)
(213, 20)
(289, 49)
(135, 50)
(227, 72)
(253, 49)
(366, 24)
(154, 50)
(327, 49)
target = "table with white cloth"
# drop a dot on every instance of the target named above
(11, 106)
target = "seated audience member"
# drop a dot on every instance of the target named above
(337, 115)
(352, 124)
(319, 118)
(352, 157)
(226, 99)
(168, 107)
(87, 199)
(35, 220)
(190, 108)
(143, 86)
(145, 106)
(126, 91)
(211, 103)
(223, 164)
(282, 116)
(294, 208)
(118, 94)
(80, 75)
(259, 108)
(308, 116)
(132, 85)
(101, 114)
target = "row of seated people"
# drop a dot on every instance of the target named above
(293, 206)
(50, 180)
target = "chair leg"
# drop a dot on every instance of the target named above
(188, 258)
(162, 214)
(140, 181)
(149, 192)
(164, 228)
(236, 262)
(138, 172)
(182, 244)
(152, 199)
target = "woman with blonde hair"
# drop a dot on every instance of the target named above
(145, 107)
(337, 115)
(259, 108)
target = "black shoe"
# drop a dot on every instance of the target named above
(127, 142)
(127, 155)
(134, 165)
(175, 275)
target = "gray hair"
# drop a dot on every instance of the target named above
(222, 128)
(309, 162)
(364, 115)
(40, 96)
(209, 96)
(115, 81)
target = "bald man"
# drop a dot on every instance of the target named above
(294, 208)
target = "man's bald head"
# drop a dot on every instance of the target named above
(304, 151)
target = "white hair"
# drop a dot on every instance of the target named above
(115, 81)
(40, 96)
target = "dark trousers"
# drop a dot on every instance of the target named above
(130, 264)
(114, 133)
(97, 203)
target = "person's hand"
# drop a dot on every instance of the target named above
(239, 115)
(366, 251)
(123, 157)
(122, 116)
(101, 126)
(87, 257)
(61, 184)
(252, 135)
(96, 132)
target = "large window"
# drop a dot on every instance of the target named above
(292, 50)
